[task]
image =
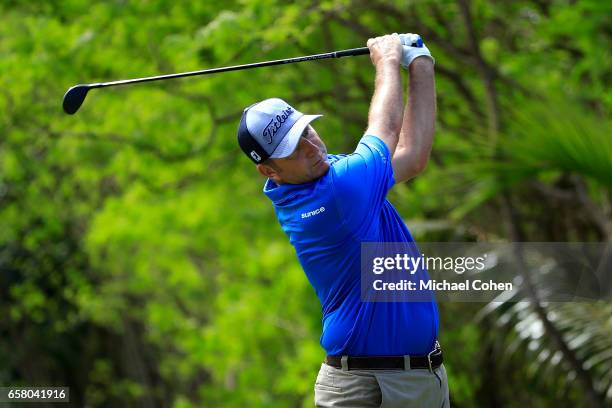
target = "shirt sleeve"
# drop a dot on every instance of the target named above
(361, 182)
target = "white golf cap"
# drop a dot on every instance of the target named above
(271, 129)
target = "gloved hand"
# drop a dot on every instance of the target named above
(412, 47)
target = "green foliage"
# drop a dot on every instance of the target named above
(544, 139)
(141, 265)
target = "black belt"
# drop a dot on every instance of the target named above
(429, 361)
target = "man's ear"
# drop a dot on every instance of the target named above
(268, 171)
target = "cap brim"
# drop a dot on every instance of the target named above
(291, 140)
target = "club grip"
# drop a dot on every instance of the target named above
(351, 52)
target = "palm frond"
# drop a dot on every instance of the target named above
(586, 328)
(542, 139)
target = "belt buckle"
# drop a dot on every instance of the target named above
(429, 359)
(436, 348)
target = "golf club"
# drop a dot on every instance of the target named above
(74, 97)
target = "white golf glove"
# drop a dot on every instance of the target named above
(412, 47)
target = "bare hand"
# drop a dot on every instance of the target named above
(387, 49)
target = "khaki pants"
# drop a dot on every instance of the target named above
(381, 388)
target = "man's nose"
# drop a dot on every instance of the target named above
(311, 148)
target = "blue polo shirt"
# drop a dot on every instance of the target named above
(326, 220)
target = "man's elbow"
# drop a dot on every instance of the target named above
(414, 169)
(407, 167)
(418, 163)
(421, 164)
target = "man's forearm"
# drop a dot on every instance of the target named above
(416, 135)
(385, 116)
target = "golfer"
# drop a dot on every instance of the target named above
(379, 354)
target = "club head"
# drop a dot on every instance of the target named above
(74, 97)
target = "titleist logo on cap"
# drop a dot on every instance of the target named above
(275, 124)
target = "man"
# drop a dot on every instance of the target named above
(378, 353)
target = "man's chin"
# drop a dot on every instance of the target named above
(322, 168)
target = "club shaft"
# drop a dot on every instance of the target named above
(334, 54)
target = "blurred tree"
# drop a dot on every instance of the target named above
(140, 263)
